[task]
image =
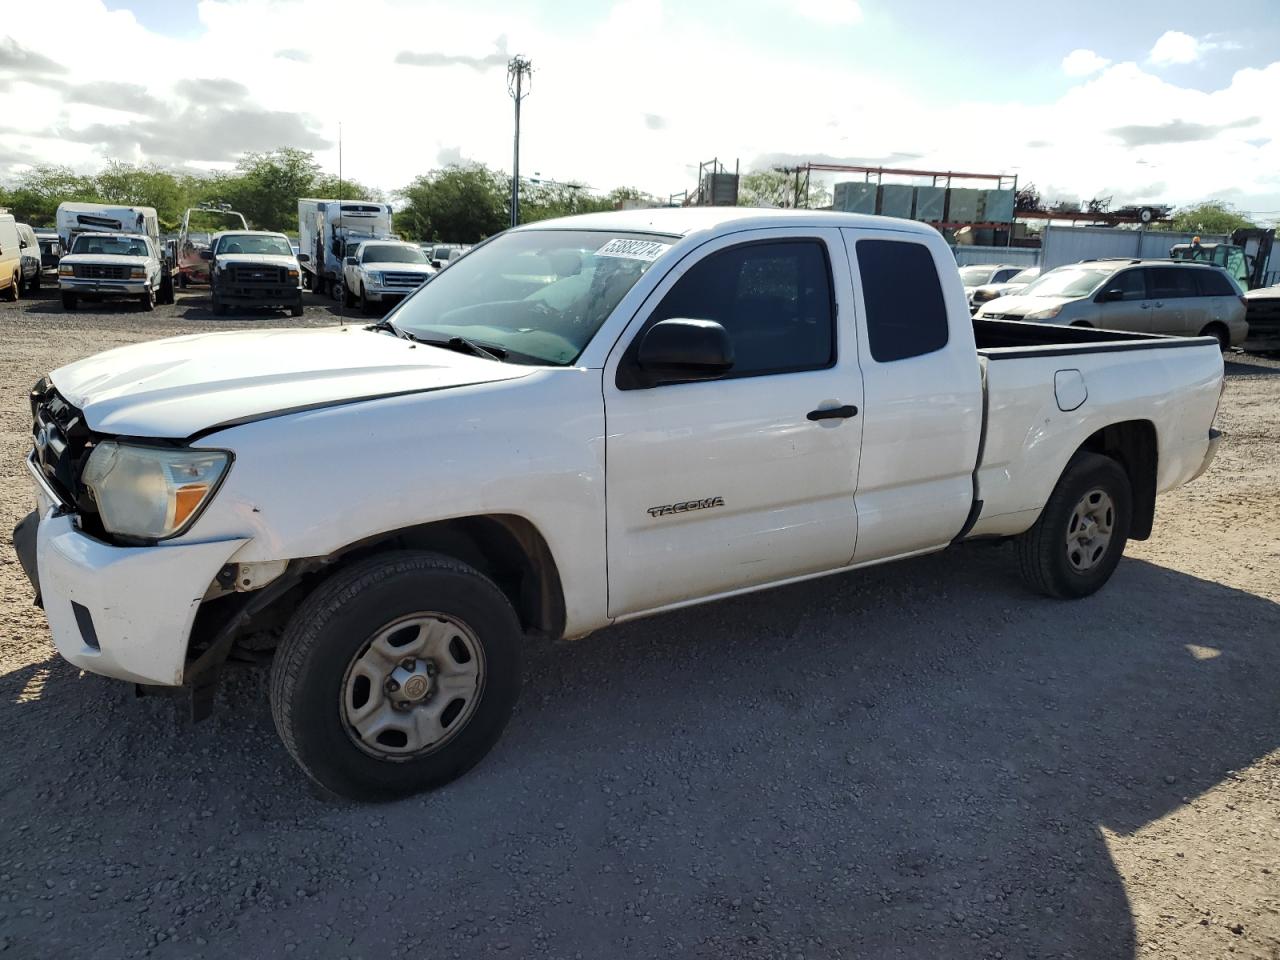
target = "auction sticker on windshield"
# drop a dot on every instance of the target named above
(647, 250)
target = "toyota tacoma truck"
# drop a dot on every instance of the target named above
(581, 422)
(253, 268)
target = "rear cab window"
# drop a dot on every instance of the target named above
(906, 315)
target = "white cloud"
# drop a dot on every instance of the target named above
(599, 113)
(1176, 47)
(831, 12)
(1082, 63)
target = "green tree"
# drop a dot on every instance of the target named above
(149, 186)
(266, 186)
(462, 203)
(1213, 216)
(543, 201)
(773, 188)
(35, 197)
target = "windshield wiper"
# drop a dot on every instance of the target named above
(463, 345)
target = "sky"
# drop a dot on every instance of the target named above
(1142, 102)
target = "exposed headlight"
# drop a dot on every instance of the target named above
(375, 276)
(152, 493)
(66, 270)
(1048, 313)
(138, 273)
(293, 274)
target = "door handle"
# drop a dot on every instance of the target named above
(833, 413)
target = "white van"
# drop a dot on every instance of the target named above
(30, 253)
(10, 258)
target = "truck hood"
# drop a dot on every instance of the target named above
(392, 267)
(74, 258)
(1017, 306)
(181, 386)
(274, 259)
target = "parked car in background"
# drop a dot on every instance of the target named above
(975, 275)
(993, 291)
(50, 252)
(1144, 296)
(581, 422)
(104, 266)
(383, 272)
(1262, 313)
(253, 268)
(10, 258)
(30, 247)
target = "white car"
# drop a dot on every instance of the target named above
(581, 422)
(103, 266)
(383, 272)
(976, 275)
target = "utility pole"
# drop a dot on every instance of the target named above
(519, 69)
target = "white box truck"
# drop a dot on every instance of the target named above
(75, 217)
(326, 228)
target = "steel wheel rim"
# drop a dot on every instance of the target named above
(413, 686)
(1089, 530)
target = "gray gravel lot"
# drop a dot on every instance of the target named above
(917, 760)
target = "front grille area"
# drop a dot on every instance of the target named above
(62, 442)
(405, 281)
(101, 271)
(246, 274)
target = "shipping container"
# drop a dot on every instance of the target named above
(997, 206)
(931, 204)
(854, 196)
(962, 205)
(897, 200)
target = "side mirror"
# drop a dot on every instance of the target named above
(1112, 295)
(680, 351)
(304, 258)
(436, 264)
(206, 254)
(350, 261)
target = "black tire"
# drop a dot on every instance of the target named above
(35, 282)
(1043, 555)
(148, 301)
(166, 294)
(69, 301)
(183, 281)
(348, 298)
(335, 624)
(296, 309)
(14, 291)
(219, 308)
(366, 305)
(1220, 333)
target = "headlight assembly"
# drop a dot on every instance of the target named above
(1048, 313)
(152, 493)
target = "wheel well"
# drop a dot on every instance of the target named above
(1132, 444)
(507, 549)
(1082, 323)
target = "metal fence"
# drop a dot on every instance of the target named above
(1019, 256)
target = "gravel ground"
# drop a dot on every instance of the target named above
(917, 760)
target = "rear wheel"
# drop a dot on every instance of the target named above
(396, 676)
(1076, 544)
(1220, 333)
(69, 301)
(14, 292)
(35, 282)
(166, 294)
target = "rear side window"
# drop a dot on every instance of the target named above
(906, 315)
(1171, 283)
(1214, 284)
(774, 300)
(1129, 283)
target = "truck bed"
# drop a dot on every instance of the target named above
(1010, 338)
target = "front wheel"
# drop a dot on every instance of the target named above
(348, 298)
(69, 301)
(35, 282)
(296, 309)
(1076, 544)
(14, 293)
(396, 676)
(148, 301)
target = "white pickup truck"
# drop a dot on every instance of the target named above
(581, 422)
(104, 266)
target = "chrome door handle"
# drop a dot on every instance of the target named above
(833, 413)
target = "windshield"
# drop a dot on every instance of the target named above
(253, 243)
(112, 246)
(540, 295)
(1068, 282)
(975, 276)
(1025, 276)
(390, 253)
